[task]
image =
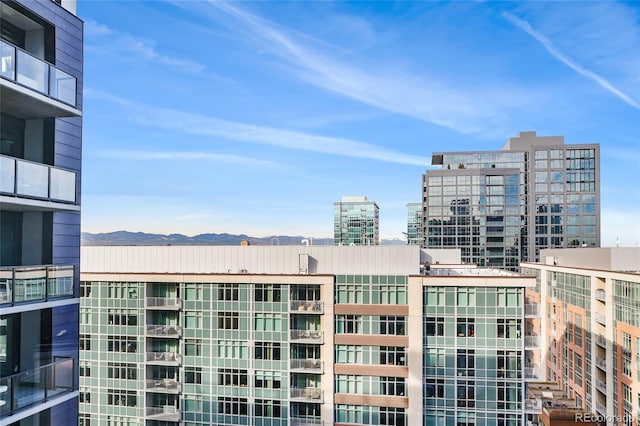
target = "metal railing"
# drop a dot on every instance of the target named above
(533, 406)
(309, 336)
(166, 412)
(30, 179)
(164, 357)
(163, 330)
(308, 306)
(601, 409)
(601, 386)
(305, 421)
(601, 341)
(531, 341)
(20, 284)
(309, 394)
(601, 363)
(601, 295)
(602, 319)
(163, 302)
(35, 386)
(163, 385)
(531, 373)
(23, 68)
(314, 365)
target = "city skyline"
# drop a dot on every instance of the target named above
(280, 109)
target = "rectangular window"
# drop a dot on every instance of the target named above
(434, 388)
(267, 379)
(267, 293)
(230, 405)
(121, 370)
(85, 369)
(85, 289)
(228, 320)
(228, 292)
(85, 342)
(122, 317)
(233, 349)
(350, 324)
(466, 327)
(122, 344)
(267, 408)
(394, 386)
(466, 362)
(508, 328)
(392, 325)
(192, 347)
(392, 355)
(434, 326)
(122, 397)
(193, 375)
(267, 350)
(232, 377)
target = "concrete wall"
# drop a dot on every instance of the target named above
(606, 259)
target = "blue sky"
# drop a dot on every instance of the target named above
(254, 117)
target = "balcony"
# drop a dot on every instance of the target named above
(163, 303)
(314, 366)
(33, 88)
(531, 341)
(305, 421)
(601, 363)
(601, 386)
(532, 310)
(164, 358)
(159, 330)
(27, 388)
(601, 409)
(27, 179)
(533, 406)
(306, 306)
(306, 336)
(306, 395)
(601, 295)
(532, 373)
(601, 341)
(163, 385)
(600, 318)
(167, 413)
(35, 283)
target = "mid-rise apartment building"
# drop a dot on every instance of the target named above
(590, 327)
(414, 224)
(40, 161)
(300, 335)
(502, 207)
(356, 222)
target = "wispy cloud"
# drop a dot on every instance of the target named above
(102, 38)
(426, 98)
(565, 59)
(202, 125)
(180, 156)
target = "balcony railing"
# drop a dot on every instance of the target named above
(532, 310)
(601, 295)
(25, 69)
(163, 385)
(166, 413)
(159, 330)
(602, 319)
(601, 341)
(166, 358)
(28, 179)
(531, 373)
(601, 363)
(306, 306)
(21, 284)
(306, 336)
(601, 409)
(166, 303)
(306, 394)
(305, 421)
(308, 365)
(531, 341)
(35, 386)
(533, 406)
(601, 386)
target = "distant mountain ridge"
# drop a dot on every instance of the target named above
(127, 238)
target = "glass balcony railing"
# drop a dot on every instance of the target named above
(306, 394)
(166, 413)
(163, 385)
(532, 310)
(164, 358)
(160, 330)
(533, 406)
(163, 303)
(306, 306)
(308, 365)
(601, 295)
(305, 421)
(35, 180)
(306, 336)
(602, 319)
(27, 388)
(21, 284)
(25, 69)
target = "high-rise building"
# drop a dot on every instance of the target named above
(590, 327)
(355, 222)
(502, 207)
(41, 64)
(300, 335)
(414, 224)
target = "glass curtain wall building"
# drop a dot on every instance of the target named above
(299, 335)
(355, 222)
(503, 207)
(40, 163)
(414, 224)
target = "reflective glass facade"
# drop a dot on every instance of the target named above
(356, 222)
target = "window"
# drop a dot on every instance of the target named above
(193, 375)
(466, 394)
(232, 377)
(392, 416)
(626, 354)
(349, 354)
(85, 369)
(394, 386)
(466, 327)
(85, 342)
(268, 322)
(228, 320)
(84, 419)
(229, 405)
(578, 369)
(466, 362)
(192, 347)
(122, 290)
(466, 297)
(392, 355)
(85, 396)
(509, 363)
(228, 292)
(120, 370)
(508, 328)
(267, 408)
(122, 397)
(85, 289)
(434, 326)
(267, 350)
(392, 325)
(122, 317)
(267, 379)
(233, 349)
(434, 357)
(122, 344)
(267, 293)
(348, 324)
(193, 319)
(578, 330)
(434, 388)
